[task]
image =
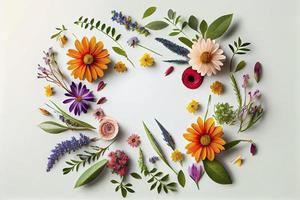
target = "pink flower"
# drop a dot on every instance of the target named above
(99, 114)
(134, 140)
(118, 162)
(246, 78)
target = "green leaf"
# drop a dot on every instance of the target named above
(124, 192)
(118, 37)
(135, 175)
(153, 186)
(53, 127)
(240, 66)
(114, 181)
(218, 27)
(119, 51)
(157, 25)
(186, 41)
(181, 178)
(91, 173)
(97, 24)
(54, 35)
(173, 33)
(193, 23)
(108, 29)
(203, 27)
(165, 178)
(149, 12)
(231, 144)
(80, 123)
(130, 190)
(236, 90)
(170, 14)
(156, 147)
(216, 171)
(159, 188)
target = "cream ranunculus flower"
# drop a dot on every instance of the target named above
(206, 57)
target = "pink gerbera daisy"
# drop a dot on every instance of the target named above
(134, 140)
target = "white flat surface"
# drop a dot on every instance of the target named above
(142, 94)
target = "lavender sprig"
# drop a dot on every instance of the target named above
(166, 135)
(175, 48)
(67, 146)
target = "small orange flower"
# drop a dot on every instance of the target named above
(205, 139)
(89, 59)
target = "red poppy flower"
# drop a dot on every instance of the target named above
(191, 78)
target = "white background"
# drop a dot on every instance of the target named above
(144, 94)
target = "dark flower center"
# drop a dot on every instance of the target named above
(191, 78)
(205, 140)
(88, 59)
(205, 57)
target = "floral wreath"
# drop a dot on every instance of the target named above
(202, 55)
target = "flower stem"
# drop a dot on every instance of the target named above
(149, 49)
(208, 103)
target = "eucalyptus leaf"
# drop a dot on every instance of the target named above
(181, 178)
(136, 175)
(218, 27)
(53, 127)
(91, 173)
(119, 51)
(216, 171)
(240, 66)
(157, 25)
(193, 23)
(186, 41)
(170, 13)
(149, 12)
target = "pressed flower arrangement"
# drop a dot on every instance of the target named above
(203, 57)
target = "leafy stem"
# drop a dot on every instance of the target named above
(207, 107)
(238, 48)
(60, 31)
(106, 30)
(124, 188)
(85, 158)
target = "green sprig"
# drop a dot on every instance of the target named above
(60, 31)
(109, 31)
(238, 48)
(124, 188)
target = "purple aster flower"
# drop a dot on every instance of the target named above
(196, 173)
(79, 96)
(67, 146)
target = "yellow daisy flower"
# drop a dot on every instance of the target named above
(120, 67)
(48, 90)
(177, 156)
(193, 106)
(146, 60)
(216, 87)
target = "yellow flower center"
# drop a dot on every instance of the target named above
(205, 57)
(205, 140)
(78, 99)
(88, 59)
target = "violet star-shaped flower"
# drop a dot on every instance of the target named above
(80, 97)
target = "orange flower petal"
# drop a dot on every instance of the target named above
(220, 147)
(208, 124)
(100, 65)
(99, 47)
(102, 54)
(74, 54)
(203, 153)
(210, 153)
(219, 141)
(93, 72)
(191, 137)
(72, 67)
(82, 72)
(74, 61)
(88, 74)
(198, 155)
(215, 147)
(85, 44)
(196, 128)
(192, 147)
(217, 132)
(200, 122)
(99, 71)
(92, 44)
(79, 47)
(190, 130)
(102, 60)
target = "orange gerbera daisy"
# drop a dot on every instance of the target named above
(205, 139)
(89, 59)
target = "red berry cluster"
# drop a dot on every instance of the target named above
(118, 162)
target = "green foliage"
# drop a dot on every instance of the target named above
(203, 27)
(224, 113)
(53, 127)
(236, 91)
(181, 178)
(186, 41)
(218, 27)
(91, 173)
(149, 11)
(123, 188)
(60, 31)
(85, 158)
(238, 48)
(193, 23)
(240, 66)
(175, 20)
(216, 171)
